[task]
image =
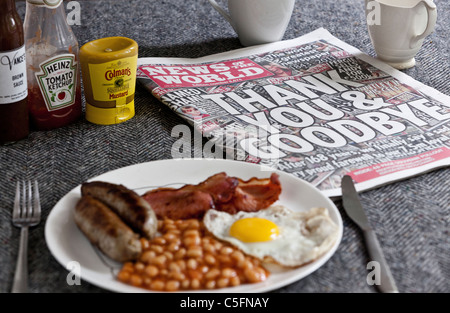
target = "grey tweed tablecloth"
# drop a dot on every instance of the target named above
(411, 217)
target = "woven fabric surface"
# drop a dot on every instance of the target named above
(411, 217)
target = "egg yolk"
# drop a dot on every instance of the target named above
(254, 229)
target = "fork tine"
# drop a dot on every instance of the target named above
(29, 198)
(37, 202)
(16, 208)
(23, 209)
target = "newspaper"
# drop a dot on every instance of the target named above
(314, 107)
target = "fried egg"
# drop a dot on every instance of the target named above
(276, 234)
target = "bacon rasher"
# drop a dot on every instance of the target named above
(220, 192)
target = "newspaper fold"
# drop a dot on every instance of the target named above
(314, 107)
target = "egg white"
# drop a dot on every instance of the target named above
(304, 236)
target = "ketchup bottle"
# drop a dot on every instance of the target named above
(54, 88)
(13, 76)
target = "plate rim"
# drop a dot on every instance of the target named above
(254, 288)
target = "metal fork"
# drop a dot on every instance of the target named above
(26, 213)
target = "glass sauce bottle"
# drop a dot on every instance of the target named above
(13, 80)
(54, 86)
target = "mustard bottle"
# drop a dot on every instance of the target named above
(108, 67)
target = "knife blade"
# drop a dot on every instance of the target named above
(355, 211)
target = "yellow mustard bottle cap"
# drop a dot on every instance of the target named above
(109, 116)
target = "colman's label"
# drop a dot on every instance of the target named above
(114, 80)
(57, 81)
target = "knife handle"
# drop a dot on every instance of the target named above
(387, 283)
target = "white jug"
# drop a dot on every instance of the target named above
(397, 28)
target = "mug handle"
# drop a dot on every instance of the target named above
(221, 11)
(432, 19)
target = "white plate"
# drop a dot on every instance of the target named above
(68, 244)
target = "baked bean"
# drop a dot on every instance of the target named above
(151, 270)
(211, 284)
(147, 256)
(128, 267)
(169, 256)
(195, 274)
(177, 276)
(170, 236)
(159, 260)
(192, 264)
(173, 247)
(210, 259)
(185, 283)
(226, 250)
(139, 267)
(228, 272)
(164, 272)
(218, 245)
(175, 232)
(136, 280)
(195, 284)
(174, 267)
(159, 241)
(225, 259)
(254, 274)
(183, 257)
(207, 247)
(180, 254)
(193, 224)
(172, 285)
(247, 264)
(170, 227)
(235, 281)
(181, 264)
(194, 252)
(212, 274)
(156, 248)
(238, 256)
(191, 241)
(157, 285)
(145, 244)
(223, 282)
(124, 276)
(191, 232)
(147, 282)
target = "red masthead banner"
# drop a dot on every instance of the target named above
(228, 72)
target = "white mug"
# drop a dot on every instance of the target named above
(397, 28)
(257, 21)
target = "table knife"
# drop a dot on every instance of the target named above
(355, 211)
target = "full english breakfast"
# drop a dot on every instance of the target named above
(216, 234)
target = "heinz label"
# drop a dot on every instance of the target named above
(228, 72)
(57, 81)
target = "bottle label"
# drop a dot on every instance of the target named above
(57, 81)
(114, 80)
(52, 4)
(13, 76)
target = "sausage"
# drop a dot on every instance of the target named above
(127, 204)
(106, 230)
